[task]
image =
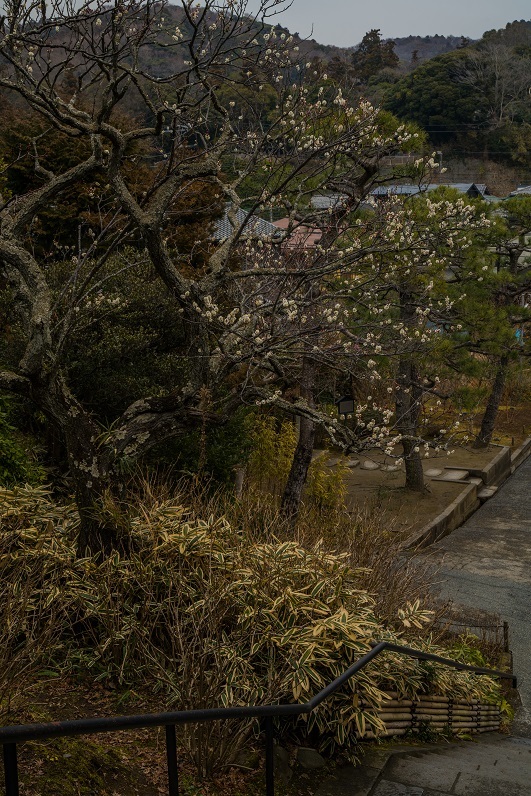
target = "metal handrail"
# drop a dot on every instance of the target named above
(11, 736)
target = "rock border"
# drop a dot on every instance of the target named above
(467, 502)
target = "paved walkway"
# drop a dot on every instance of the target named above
(497, 767)
(486, 564)
(492, 765)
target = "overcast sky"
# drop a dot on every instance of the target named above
(343, 22)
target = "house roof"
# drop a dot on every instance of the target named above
(469, 188)
(325, 201)
(301, 237)
(254, 226)
(401, 190)
(522, 190)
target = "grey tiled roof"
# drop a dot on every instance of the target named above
(470, 188)
(401, 190)
(324, 201)
(255, 226)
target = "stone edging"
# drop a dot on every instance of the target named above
(520, 454)
(447, 521)
(467, 502)
(496, 471)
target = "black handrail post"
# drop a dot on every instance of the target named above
(171, 757)
(11, 769)
(270, 757)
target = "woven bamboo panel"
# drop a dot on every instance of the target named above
(401, 716)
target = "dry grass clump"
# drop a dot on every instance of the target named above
(206, 612)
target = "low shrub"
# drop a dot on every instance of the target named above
(18, 465)
(273, 445)
(204, 614)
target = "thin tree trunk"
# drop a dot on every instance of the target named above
(488, 421)
(302, 458)
(413, 465)
(408, 397)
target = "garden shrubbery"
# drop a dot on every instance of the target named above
(203, 614)
(17, 461)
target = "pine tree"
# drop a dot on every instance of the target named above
(372, 55)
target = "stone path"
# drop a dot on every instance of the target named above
(499, 767)
(493, 765)
(486, 564)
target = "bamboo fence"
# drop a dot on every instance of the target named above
(436, 713)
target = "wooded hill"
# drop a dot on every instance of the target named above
(471, 97)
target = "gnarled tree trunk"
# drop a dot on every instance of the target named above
(89, 464)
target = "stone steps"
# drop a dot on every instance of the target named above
(494, 765)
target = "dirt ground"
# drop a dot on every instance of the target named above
(513, 425)
(408, 511)
(124, 763)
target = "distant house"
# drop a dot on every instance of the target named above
(252, 227)
(522, 190)
(248, 228)
(301, 236)
(385, 191)
(326, 201)
(474, 190)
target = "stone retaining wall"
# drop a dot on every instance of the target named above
(451, 518)
(493, 474)
(497, 470)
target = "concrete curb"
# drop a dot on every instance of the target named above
(451, 518)
(497, 471)
(467, 502)
(520, 454)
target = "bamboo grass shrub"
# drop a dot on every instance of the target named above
(273, 446)
(30, 616)
(203, 614)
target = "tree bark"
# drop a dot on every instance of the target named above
(89, 463)
(413, 464)
(98, 534)
(488, 421)
(302, 458)
(408, 399)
